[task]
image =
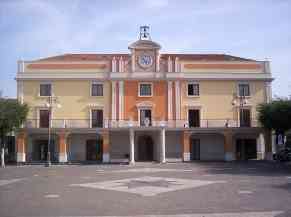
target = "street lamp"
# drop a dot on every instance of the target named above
(52, 101)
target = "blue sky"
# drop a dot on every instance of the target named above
(31, 29)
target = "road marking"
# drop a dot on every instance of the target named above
(244, 192)
(10, 181)
(288, 177)
(147, 185)
(52, 196)
(144, 170)
(35, 175)
(232, 214)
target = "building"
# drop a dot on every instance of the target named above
(143, 106)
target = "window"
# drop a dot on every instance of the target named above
(96, 89)
(244, 89)
(45, 90)
(145, 89)
(193, 89)
(97, 118)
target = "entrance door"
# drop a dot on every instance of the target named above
(97, 118)
(194, 118)
(145, 117)
(245, 117)
(145, 148)
(94, 150)
(195, 149)
(44, 118)
(246, 149)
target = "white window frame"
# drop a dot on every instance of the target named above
(244, 83)
(152, 89)
(96, 82)
(193, 82)
(45, 83)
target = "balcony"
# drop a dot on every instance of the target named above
(108, 123)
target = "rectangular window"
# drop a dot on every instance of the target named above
(96, 89)
(97, 118)
(145, 89)
(44, 118)
(193, 89)
(45, 90)
(244, 89)
(245, 117)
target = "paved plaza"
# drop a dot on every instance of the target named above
(199, 189)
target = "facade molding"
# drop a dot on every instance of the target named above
(143, 75)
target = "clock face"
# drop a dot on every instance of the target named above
(145, 60)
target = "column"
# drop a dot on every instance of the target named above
(170, 101)
(121, 100)
(177, 101)
(105, 147)
(21, 147)
(113, 101)
(63, 157)
(268, 144)
(228, 146)
(261, 147)
(186, 146)
(131, 142)
(163, 146)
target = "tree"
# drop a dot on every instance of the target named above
(276, 115)
(12, 115)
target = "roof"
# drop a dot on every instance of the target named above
(98, 57)
(144, 44)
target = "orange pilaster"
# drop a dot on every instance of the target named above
(228, 145)
(186, 146)
(21, 147)
(106, 146)
(62, 147)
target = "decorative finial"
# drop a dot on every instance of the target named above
(144, 33)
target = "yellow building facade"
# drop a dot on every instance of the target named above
(142, 106)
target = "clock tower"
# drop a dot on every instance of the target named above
(144, 53)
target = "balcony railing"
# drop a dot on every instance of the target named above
(108, 123)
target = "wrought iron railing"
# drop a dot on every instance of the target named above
(109, 123)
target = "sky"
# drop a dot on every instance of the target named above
(257, 29)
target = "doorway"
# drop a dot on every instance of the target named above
(145, 117)
(194, 117)
(194, 149)
(246, 149)
(94, 150)
(40, 150)
(145, 148)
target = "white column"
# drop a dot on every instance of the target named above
(169, 64)
(121, 65)
(113, 108)
(121, 100)
(177, 68)
(158, 62)
(268, 92)
(133, 61)
(113, 64)
(170, 101)
(131, 141)
(260, 147)
(163, 146)
(178, 100)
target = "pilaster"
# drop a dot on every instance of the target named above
(105, 146)
(21, 147)
(228, 146)
(186, 145)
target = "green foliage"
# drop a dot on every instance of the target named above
(12, 115)
(276, 115)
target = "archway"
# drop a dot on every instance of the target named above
(145, 148)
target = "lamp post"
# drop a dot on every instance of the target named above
(51, 102)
